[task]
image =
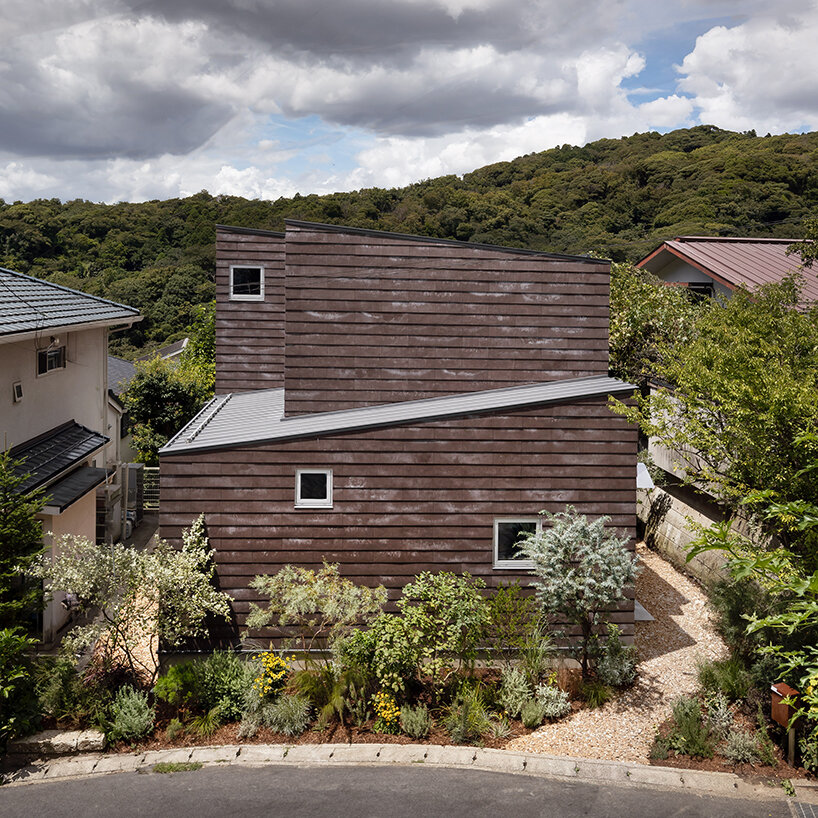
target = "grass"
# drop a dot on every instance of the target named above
(177, 766)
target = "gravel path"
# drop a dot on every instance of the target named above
(668, 647)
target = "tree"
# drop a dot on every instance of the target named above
(807, 248)
(137, 597)
(21, 541)
(744, 392)
(581, 572)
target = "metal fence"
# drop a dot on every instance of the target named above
(150, 496)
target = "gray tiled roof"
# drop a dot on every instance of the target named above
(256, 417)
(28, 305)
(77, 484)
(49, 455)
(120, 374)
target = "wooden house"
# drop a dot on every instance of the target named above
(398, 403)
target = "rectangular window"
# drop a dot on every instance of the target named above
(246, 283)
(50, 359)
(507, 534)
(313, 488)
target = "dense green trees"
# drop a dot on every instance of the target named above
(618, 197)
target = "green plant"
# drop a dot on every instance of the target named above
(616, 665)
(206, 724)
(448, 616)
(515, 690)
(165, 591)
(225, 678)
(533, 713)
(726, 676)
(537, 652)
(288, 714)
(595, 693)
(272, 674)
(131, 715)
(808, 745)
(387, 713)
(320, 606)
(180, 686)
(765, 746)
(18, 699)
(176, 766)
(581, 571)
(467, 719)
(174, 729)
(719, 714)
(554, 701)
(788, 788)
(415, 721)
(21, 542)
(740, 747)
(660, 749)
(499, 727)
(512, 616)
(691, 734)
(72, 699)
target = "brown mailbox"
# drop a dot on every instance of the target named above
(780, 712)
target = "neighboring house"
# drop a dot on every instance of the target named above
(120, 375)
(168, 352)
(397, 404)
(712, 266)
(56, 412)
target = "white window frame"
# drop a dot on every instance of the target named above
(519, 565)
(325, 502)
(260, 296)
(47, 352)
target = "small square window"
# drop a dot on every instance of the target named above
(246, 283)
(50, 359)
(313, 488)
(507, 535)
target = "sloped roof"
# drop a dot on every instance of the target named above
(49, 455)
(30, 305)
(120, 374)
(169, 351)
(256, 417)
(735, 261)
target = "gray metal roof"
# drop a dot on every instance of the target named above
(49, 455)
(29, 305)
(256, 417)
(735, 261)
(120, 374)
(77, 484)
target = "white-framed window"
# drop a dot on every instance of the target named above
(508, 532)
(50, 359)
(246, 283)
(313, 488)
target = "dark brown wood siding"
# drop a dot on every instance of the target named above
(249, 334)
(380, 319)
(406, 498)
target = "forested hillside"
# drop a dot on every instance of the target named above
(616, 197)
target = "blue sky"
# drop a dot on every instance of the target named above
(126, 100)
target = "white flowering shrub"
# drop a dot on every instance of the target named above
(581, 571)
(136, 598)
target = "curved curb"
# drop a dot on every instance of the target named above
(502, 761)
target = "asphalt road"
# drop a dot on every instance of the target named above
(363, 792)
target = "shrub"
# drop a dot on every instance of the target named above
(288, 714)
(719, 714)
(387, 713)
(225, 678)
(321, 606)
(18, 699)
(727, 676)
(448, 617)
(66, 696)
(595, 693)
(616, 666)
(174, 729)
(581, 571)
(740, 747)
(554, 701)
(205, 724)
(533, 713)
(467, 719)
(809, 751)
(514, 691)
(272, 674)
(511, 619)
(765, 746)
(131, 715)
(537, 653)
(690, 735)
(180, 686)
(415, 721)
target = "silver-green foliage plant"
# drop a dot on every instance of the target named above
(288, 714)
(467, 719)
(415, 721)
(719, 714)
(616, 665)
(555, 702)
(514, 690)
(132, 593)
(321, 606)
(131, 715)
(532, 714)
(741, 747)
(582, 570)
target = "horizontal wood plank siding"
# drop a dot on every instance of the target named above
(406, 498)
(249, 334)
(378, 319)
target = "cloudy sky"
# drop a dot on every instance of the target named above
(127, 100)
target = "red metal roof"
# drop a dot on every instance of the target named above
(734, 262)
